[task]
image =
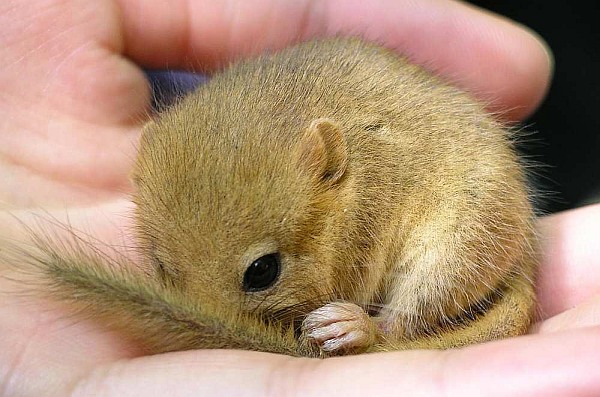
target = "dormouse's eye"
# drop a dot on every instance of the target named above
(262, 273)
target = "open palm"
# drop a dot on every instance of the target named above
(72, 103)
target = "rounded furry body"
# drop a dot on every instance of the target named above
(427, 219)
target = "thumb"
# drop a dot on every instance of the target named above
(556, 364)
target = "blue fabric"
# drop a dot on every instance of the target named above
(167, 86)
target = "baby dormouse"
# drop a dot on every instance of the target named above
(332, 189)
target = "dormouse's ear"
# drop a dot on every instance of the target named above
(322, 150)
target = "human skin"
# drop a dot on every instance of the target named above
(72, 103)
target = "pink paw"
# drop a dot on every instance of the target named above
(339, 326)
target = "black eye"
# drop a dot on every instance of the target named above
(262, 273)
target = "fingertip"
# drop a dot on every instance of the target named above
(529, 74)
(570, 253)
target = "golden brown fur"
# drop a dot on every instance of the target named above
(378, 185)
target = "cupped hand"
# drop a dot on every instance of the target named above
(73, 100)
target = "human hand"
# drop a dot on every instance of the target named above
(47, 353)
(73, 103)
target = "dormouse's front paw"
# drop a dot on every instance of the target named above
(340, 327)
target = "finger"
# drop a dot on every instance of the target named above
(541, 365)
(497, 60)
(71, 105)
(59, 58)
(568, 274)
(584, 315)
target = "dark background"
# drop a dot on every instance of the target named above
(562, 139)
(567, 125)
